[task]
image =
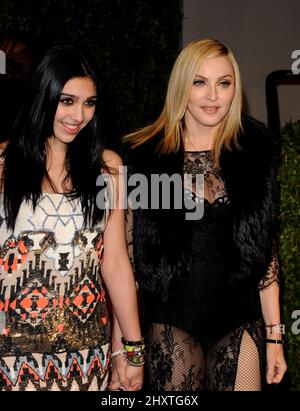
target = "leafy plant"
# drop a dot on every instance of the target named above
(289, 179)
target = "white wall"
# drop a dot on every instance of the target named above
(262, 34)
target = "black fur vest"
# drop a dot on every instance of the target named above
(160, 246)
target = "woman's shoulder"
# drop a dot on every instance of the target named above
(111, 159)
(3, 146)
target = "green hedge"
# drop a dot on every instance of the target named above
(289, 178)
(136, 43)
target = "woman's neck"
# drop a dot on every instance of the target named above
(56, 146)
(196, 142)
(56, 169)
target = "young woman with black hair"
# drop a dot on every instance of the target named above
(55, 331)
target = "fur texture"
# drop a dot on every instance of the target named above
(161, 246)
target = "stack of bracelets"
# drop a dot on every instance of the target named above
(133, 351)
(275, 329)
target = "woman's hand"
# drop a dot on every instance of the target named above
(118, 380)
(125, 376)
(135, 376)
(276, 365)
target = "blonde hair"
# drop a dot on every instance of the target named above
(180, 83)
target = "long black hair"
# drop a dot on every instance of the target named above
(25, 154)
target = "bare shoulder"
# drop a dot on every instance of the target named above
(3, 146)
(111, 159)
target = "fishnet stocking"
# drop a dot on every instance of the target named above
(248, 373)
(178, 362)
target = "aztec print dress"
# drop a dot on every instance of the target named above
(54, 324)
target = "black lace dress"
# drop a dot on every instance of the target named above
(178, 355)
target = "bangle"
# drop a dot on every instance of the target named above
(135, 355)
(135, 352)
(116, 353)
(270, 340)
(136, 358)
(279, 328)
(132, 343)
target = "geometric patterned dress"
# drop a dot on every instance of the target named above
(54, 324)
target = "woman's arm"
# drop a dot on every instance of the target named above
(119, 279)
(120, 370)
(269, 297)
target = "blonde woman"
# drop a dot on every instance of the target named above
(211, 285)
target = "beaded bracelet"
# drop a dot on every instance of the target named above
(119, 352)
(135, 352)
(270, 340)
(136, 358)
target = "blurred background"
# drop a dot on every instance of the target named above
(262, 34)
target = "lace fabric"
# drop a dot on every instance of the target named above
(201, 162)
(195, 163)
(272, 274)
(181, 361)
(177, 362)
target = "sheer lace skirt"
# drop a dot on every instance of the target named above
(177, 362)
